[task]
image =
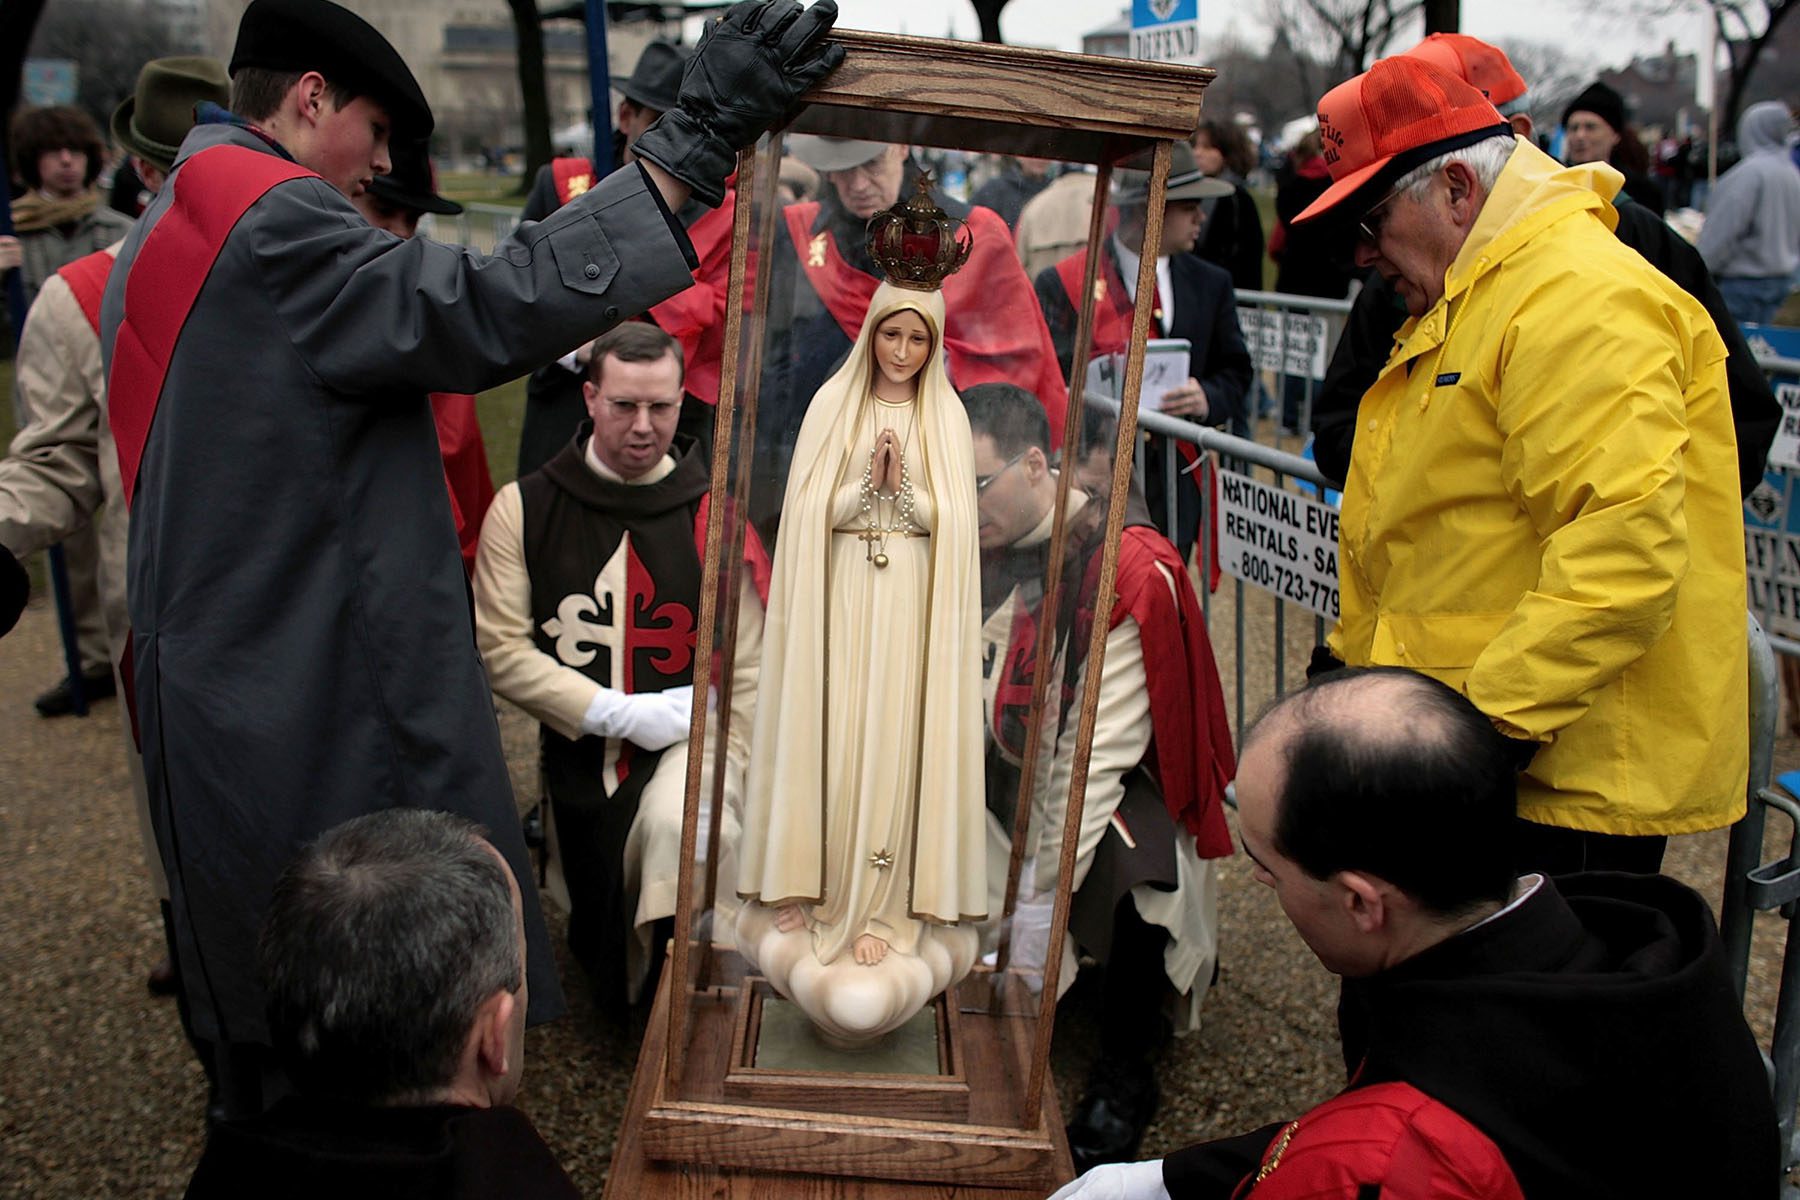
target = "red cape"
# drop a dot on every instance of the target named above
(465, 468)
(996, 333)
(696, 317)
(1190, 742)
(216, 187)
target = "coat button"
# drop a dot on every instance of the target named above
(612, 312)
(1371, 424)
(591, 271)
(1400, 648)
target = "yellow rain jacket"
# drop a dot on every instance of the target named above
(1543, 512)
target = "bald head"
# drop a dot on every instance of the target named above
(1388, 772)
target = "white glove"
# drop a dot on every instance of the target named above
(653, 720)
(1117, 1181)
(1031, 935)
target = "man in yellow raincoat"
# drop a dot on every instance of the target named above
(1542, 510)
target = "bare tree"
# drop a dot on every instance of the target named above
(1345, 35)
(528, 28)
(1273, 87)
(1554, 75)
(108, 40)
(1748, 29)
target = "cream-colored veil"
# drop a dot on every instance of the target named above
(782, 855)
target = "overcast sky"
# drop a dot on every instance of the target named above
(1059, 24)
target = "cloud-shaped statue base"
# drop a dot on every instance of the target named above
(852, 1004)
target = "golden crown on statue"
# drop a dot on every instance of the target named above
(917, 244)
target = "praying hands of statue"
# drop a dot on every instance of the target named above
(886, 474)
(869, 950)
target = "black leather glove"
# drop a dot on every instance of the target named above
(749, 71)
(15, 587)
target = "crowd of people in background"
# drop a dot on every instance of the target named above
(1532, 687)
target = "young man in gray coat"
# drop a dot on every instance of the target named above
(302, 641)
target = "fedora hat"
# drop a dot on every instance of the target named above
(655, 82)
(825, 154)
(1186, 180)
(151, 122)
(413, 183)
(1399, 114)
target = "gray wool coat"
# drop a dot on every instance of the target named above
(303, 642)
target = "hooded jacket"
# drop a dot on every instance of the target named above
(1752, 228)
(1542, 512)
(1590, 1036)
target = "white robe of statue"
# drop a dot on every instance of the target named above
(864, 806)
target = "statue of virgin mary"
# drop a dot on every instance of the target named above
(863, 830)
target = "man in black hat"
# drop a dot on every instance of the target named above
(396, 201)
(1596, 129)
(1195, 302)
(650, 92)
(695, 317)
(309, 656)
(63, 473)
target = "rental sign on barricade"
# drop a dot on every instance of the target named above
(1279, 541)
(1294, 343)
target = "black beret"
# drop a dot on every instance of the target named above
(1603, 102)
(317, 35)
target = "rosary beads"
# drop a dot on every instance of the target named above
(896, 520)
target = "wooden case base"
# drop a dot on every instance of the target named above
(729, 1128)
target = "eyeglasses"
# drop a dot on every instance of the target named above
(1369, 227)
(981, 481)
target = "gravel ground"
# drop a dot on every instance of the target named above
(101, 1097)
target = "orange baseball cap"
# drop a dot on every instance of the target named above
(1398, 114)
(1474, 62)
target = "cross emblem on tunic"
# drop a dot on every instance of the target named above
(882, 860)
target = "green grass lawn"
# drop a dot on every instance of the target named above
(479, 187)
(501, 413)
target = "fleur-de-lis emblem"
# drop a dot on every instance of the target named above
(815, 253)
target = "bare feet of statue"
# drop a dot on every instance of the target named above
(788, 918)
(869, 950)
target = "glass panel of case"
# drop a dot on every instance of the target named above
(907, 574)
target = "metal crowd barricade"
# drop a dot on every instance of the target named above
(1291, 337)
(1239, 456)
(480, 227)
(1752, 887)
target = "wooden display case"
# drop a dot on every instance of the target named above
(975, 1107)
